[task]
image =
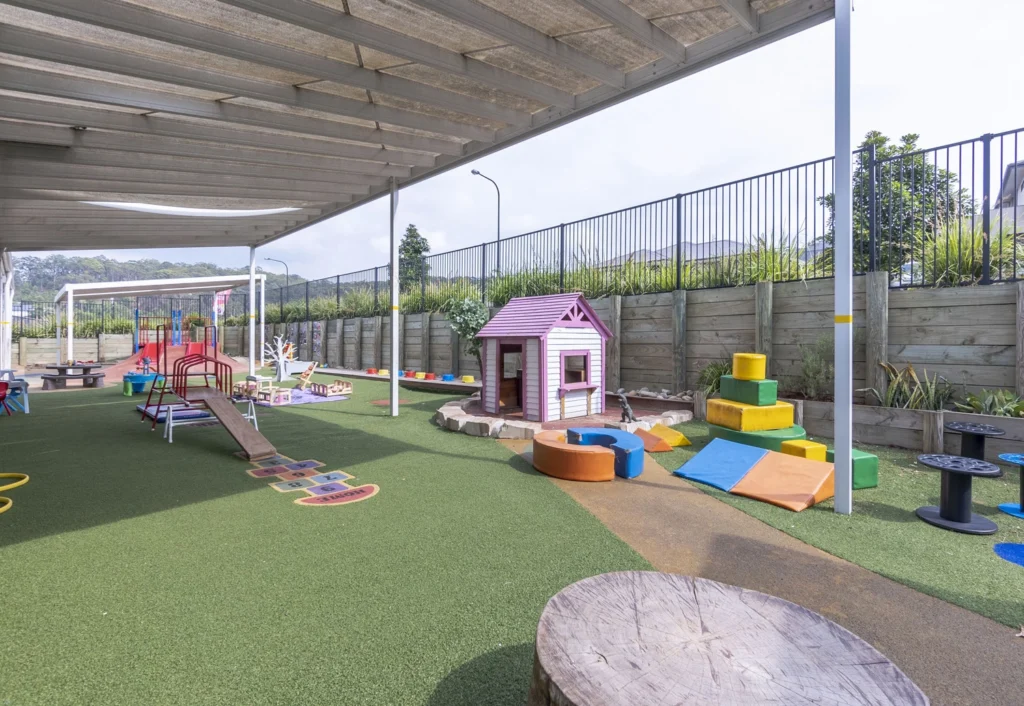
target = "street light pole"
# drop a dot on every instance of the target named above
(287, 274)
(498, 258)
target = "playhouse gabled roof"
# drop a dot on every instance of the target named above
(533, 317)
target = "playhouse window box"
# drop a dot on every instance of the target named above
(569, 387)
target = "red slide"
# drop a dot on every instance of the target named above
(194, 349)
(148, 351)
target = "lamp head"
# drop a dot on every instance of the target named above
(475, 172)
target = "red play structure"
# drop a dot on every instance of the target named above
(162, 353)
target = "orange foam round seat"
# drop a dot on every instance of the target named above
(555, 457)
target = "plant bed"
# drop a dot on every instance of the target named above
(914, 429)
(653, 404)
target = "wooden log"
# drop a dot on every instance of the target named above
(763, 321)
(378, 341)
(877, 347)
(932, 429)
(643, 637)
(357, 331)
(679, 340)
(613, 350)
(425, 342)
(700, 405)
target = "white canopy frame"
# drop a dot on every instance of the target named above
(6, 310)
(67, 295)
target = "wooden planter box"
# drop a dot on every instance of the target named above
(917, 430)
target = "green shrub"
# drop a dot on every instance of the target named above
(953, 255)
(998, 403)
(467, 317)
(908, 391)
(711, 374)
(817, 369)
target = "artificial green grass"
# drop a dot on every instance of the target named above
(885, 536)
(137, 572)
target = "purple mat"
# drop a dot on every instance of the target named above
(305, 397)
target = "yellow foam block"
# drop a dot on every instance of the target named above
(421, 376)
(671, 436)
(805, 449)
(467, 378)
(747, 417)
(384, 372)
(749, 366)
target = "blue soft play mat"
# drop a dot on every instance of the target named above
(1013, 553)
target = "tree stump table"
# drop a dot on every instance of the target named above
(954, 509)
(642, 637)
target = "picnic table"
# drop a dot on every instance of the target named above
(59, 379)
(643, 637)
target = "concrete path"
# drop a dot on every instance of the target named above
(957, 657)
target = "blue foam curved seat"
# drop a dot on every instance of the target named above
(628, 448)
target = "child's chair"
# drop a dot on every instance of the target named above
(4, 386)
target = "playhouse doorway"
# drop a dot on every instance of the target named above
(510, 376)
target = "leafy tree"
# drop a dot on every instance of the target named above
(467, 317)
(412, 256)
(914, 198)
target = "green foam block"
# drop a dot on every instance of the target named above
(760, 393)
(865, 468)
(771, 440)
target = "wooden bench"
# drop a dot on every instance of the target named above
(643, 637)
(60, 382)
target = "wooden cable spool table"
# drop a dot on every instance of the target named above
(642, 637)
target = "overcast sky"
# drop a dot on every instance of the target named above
(924, 66)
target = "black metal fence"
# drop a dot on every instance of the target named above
(33, 319)
(943, 216)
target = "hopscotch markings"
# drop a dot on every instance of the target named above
(321, 488)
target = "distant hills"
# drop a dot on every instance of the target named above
(40, 278)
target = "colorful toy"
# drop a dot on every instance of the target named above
(430, 376)
(17, 480)
(555, 346)
(338, 387)
(320, 488)
(420, 376)
(749, 366)
(805, 449)
(780, 479)
(275, 396)
(306, 377)
(628, 448)
(671, 436)
(652, 443)
(555, 457)
(771, 440)
(756, 392)
(401, 373)
(865, 468)
(371, 371)
(384, 373)
(627, 410)
(469, 379)
(1014, 509)
(745, 417)
(448, 377)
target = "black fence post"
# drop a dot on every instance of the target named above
(337, 295)
(483, 273)
(307, 301)
(872, 211)
(986, 193)
(561, 258)
(679, 241)
(280, 296)
(376, 285)
(103, 315)
(423, 284)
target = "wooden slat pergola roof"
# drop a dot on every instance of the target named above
(313, 105)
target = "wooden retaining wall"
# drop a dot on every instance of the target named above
(971, 335)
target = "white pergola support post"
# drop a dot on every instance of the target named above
(252, 311)
(843, 246)
(395, 303)
(6, 314)
(263, 318)
(71, 326)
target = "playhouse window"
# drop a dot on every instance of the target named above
(512, 363)
(574, 369)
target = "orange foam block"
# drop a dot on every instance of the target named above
(652, 442)
(555, 457)
(788, 481)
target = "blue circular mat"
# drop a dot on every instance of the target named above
(1016, 459)
(1013, 553)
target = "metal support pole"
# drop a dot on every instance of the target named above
(56, 326)
(71, 326)
(423, 284)
(263, 320)
(872, 210)
(307, 300)
(376, 293)
(252, 310)
(843, 433)
(337, 295)
(986, 203)
(395, 303)
(679, 241)
(561, 258)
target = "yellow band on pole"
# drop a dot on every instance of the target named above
(252, 316)
(394, 308)
(844, 318)
(5, 323)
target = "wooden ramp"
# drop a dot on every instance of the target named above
(254, 445)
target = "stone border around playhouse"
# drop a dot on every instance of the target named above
(455, 417)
